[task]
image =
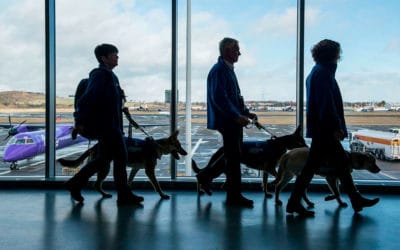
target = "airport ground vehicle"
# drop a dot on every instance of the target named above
(384, 145)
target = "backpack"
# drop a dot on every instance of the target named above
(80, 90)
(81, 115)
(86, 114)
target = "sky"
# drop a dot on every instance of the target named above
(266, 29)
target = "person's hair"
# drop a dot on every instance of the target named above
(226, 43)
(326, 51)
(104, 50)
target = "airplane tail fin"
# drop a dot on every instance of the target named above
(76, 162)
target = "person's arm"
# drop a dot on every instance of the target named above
(219, 85)
(328, 114)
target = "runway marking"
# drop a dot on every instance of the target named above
(196, 146)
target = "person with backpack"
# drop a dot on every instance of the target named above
(98, 116)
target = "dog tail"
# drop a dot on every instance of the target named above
(195, 168)
(75, 163)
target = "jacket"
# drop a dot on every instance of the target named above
(224, 102)
(99, 109)
(325, 113)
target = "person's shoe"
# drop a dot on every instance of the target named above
(359, 202)
(203, 187)
(239, 201)
(293, 207)
(74, 190)
(129, 200)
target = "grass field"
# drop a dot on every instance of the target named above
(199, 117)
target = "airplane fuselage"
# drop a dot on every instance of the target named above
(30, 144)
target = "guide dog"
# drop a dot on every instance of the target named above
(293, 162)
(260, 155)
(142, 154)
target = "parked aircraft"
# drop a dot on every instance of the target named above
(368, 108)
(289, 108)
(393, 107)
(21, 127)
(27, 145)
(376, 108)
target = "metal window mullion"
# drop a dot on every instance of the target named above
(50, 87)
(300, 64)
(188, 127)
(173, 108)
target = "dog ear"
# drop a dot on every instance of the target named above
(175, 133)
(298, 130)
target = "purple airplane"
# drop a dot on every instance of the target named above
(26, 145)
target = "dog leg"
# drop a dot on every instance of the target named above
(272, 184)
(132, 176)
(269, 168)
(282, 181)
(101, 176)
(150, 173)
(265, 185)
(333, 184)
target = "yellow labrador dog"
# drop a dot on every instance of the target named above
(293, 161)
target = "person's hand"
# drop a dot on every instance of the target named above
(125, 110)
(243, 120)
(253, 116)
(339, 135)
(76, 130)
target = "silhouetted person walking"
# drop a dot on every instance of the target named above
(327, 128)
(99, 116)
(227, 113)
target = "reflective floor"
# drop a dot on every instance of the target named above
(48, 219)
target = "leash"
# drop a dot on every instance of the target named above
(128, 116)
(260, 126)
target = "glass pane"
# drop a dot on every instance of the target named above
(367, 74)
(22, 88)
(266, 69)
(142, 33)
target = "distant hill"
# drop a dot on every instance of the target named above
(30, 100)
(23, 99)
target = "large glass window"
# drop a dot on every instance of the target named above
(142, 32)
(22, 88)
(367, 74)
(266, 31)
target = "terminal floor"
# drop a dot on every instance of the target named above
(48, 219)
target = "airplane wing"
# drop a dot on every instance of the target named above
(28, 126)
(33, 125)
